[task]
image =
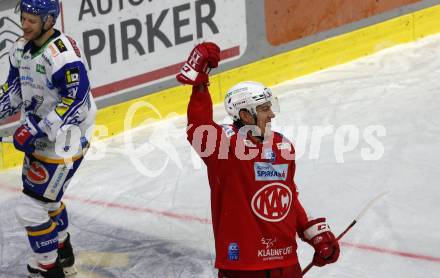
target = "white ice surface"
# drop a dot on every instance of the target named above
(151, 217)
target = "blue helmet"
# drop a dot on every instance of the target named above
(43, 8)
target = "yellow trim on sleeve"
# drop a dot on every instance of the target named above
(61, 110)
(58, 211)
(67, 101)
(57, 160)
(43, 232)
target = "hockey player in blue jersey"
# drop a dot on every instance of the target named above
(48, 84)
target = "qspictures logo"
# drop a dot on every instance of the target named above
(10, 30)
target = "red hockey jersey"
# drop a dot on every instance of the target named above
(254, 204)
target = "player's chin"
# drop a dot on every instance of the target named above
(268, 126)
(28, 35)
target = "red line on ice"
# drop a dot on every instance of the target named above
(392, 252)
(202, 220)
(106, 204)
(139, 209)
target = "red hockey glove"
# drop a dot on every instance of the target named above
(317, 233)
(26, 134)
(195, 71)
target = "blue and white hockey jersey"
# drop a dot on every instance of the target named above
(51, 83)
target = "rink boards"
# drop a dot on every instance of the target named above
(273, 70)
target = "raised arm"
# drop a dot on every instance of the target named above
(203, 133)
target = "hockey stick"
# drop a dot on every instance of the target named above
(8, 139)
(356, 219)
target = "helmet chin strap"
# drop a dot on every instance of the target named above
(240, 123)
(255, 118)
(261, 136)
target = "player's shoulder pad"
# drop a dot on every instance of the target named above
(21, 40)
(282, 142)
(229, 130)
(280, 136)
(16, 51)
(18, 46)
(62, 50)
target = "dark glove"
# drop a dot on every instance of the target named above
(26, 134)
(317, 233)
(195, 71)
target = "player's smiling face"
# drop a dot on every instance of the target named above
(264, 115)
(31, 25)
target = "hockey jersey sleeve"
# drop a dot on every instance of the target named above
(204, 134)
(73, 85)
(10, 93)
(301, 215)
(302, 218)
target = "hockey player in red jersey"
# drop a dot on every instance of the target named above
(256, 212)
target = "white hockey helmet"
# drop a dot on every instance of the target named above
(248, 95)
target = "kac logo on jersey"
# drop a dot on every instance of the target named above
(270, 172)
(233, 251)
(272, 202)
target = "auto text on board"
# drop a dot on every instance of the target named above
(145, 34)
